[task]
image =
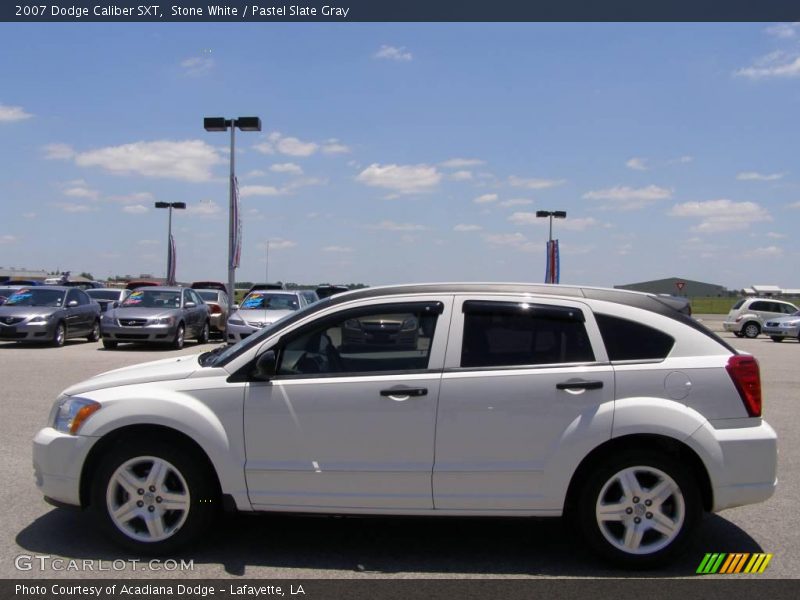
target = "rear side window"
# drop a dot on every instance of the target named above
(500, 334)
(738, 304)
(765, 306)
(629, 340)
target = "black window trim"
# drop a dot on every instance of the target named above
(533, 309)
(529, 367)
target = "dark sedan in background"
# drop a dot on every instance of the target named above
(108, 297)
(165, 315)
(49, 314)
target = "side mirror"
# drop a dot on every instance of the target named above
(265, 366)
(189, 305)
(72, 303)
(235, 307)
(115, 304)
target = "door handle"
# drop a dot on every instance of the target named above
(579, 384)
(399, 392)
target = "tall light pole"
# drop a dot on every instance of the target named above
(266, 269)
(222, 124)
(170, 242)
(551, 273)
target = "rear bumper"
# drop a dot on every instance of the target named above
(732, 326)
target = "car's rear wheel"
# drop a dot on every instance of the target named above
(94, 335)
(180, 337)
(639, 509)
(59, 335)
(152, 496)
(776, 338)
(109, 345)
(751, 330)
(738, 334)
(205, 333)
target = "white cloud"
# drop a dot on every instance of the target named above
(58, 152)
(134, 198)
(7, 238)
(399, 54)
(778, 64)
(404, 179)
(721, 215)
(766, 252)
(72, 207)
(189, 160)
(783, 30)
(628, 198)
(29, 215)
(135, 209)
(198, 65)
(337, 249)
(256, 173)
(10, 114)
(534, 183)
(461, 163)
(334, 146)
(486, 199)
(681, 160)
(637, 164)
(279, 244)
(794, 205)
(573, 224)
(464, 227)
(392, 226)
(461, 175)
(516, 202)
(205, 209)
(505, 239)
(78, 188)
(148, 242)
(754, 176)
(291, 146)
(776, 236)
(286, 168)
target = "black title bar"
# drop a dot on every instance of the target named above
(402, 10)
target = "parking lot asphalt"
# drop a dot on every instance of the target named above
(302, 547)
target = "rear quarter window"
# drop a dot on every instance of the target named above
(738, 304)
(629, 340)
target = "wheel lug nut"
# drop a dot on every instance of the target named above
(140, 491)
(637, 520)
(636, 499)
(649, 515)
(159, 499)
(152, 488)
(629, 510)
(151, 508)
(140, 504)
(648, 502)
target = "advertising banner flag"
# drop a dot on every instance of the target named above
(171, 261)
(553, 270)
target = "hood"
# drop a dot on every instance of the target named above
(167, 369)
(27, 311)
(141, 312)
(260, 315)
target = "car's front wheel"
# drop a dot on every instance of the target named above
(59, 335)
(94, 334)
(639, 509)
(153, 497)
(179, 338)
(751, 330)
(205, 333)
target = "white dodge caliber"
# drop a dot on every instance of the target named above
(609, 408)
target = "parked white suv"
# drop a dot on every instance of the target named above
(605, 406)
(747, 317)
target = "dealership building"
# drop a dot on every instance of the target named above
(677, 286)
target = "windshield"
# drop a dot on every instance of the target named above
(103, 294)
(253, 340)
(270, 301)
(153, 299)
(208, 295)
(34, 297)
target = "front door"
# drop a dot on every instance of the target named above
(349, 419)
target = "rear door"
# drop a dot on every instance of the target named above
(526, 382)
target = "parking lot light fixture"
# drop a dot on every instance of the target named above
(171, 258)
(222, 124)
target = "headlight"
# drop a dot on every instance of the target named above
(70, 413)
(39, 319)
(235, 321)
(162, 321)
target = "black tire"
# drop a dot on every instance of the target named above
(94, 335)
(682, 510)
(187, 480)
(776, 338)
(59, 335)
(205, 334)
(109, 345)
(751, 329)
(180, 337)
(738, 334)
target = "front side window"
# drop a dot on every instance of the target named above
(500, 334)
(385, 339)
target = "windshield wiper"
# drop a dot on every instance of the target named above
(206, 357)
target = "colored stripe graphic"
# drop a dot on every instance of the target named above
(734, 563)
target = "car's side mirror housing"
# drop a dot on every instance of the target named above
(235, 307)
(72, 303)
(266, 365)
(189, 305)
(115, 304)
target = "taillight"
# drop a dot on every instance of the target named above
(215, 310)
(745, 375)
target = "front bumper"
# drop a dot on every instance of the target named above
(27, 332)
(782, 332)
(141, 334)
(57, 463)
(236, 333)
(732, 326)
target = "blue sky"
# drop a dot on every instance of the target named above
(405, 152)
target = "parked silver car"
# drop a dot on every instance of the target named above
(783, 327)
(218, 308)
(49, 314)
(748, 315)
(262, 307)
(606, 407)
(155, 314)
